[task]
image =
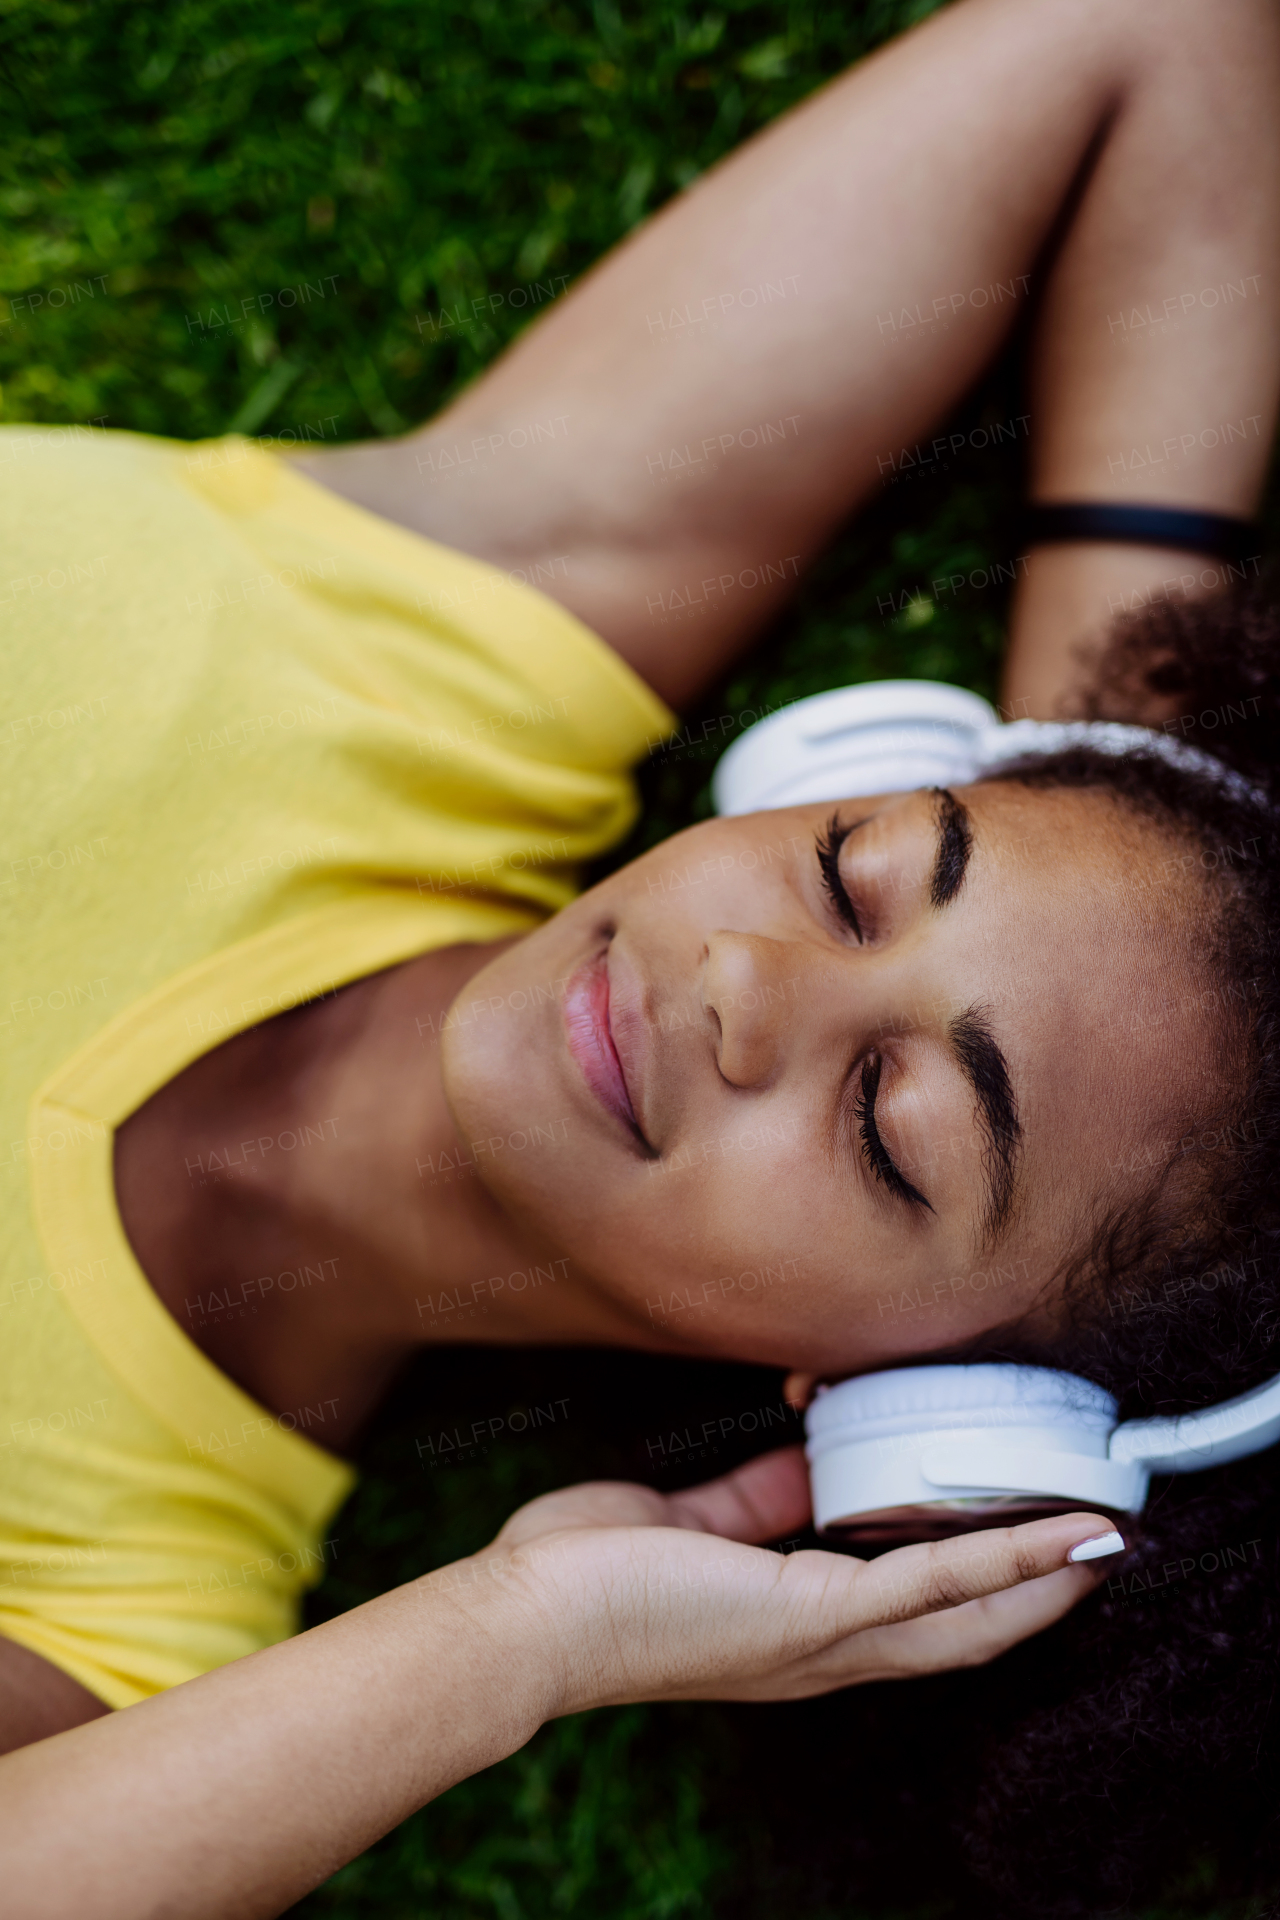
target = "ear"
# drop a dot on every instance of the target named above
(797, 1389)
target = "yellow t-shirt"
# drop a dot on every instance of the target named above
(255, 743)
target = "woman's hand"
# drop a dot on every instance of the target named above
(308, 1750)
(637, 1595)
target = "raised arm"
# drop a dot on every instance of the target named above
(692, 422)
(230, 1797)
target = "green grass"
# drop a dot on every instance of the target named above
(341, 177)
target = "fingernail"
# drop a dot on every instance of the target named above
(1098, 1547)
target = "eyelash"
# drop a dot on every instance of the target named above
(828, 847)
(874, 1151)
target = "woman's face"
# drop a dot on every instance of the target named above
(831, 1097)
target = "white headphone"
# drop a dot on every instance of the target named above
(932, 1449)
(922, 1450)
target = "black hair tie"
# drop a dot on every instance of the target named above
(1220, 534)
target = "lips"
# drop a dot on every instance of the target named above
(590, 1038)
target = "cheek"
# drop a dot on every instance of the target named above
(744, 1201)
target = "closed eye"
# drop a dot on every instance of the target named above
(874, 1151)
(828, 847)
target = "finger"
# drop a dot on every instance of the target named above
(946, 1573)
(981, 1630)
(595, 1503)
(765, 1500)
(965, 1636)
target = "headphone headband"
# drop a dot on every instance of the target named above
(1190, 1442)
(892, 736)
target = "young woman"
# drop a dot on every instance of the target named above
(318, 1058)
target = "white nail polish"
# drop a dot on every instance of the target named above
(1098, 1548)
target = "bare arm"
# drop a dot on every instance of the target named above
(231, 1796)
(728, 385)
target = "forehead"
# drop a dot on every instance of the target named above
(1081, 864)
(1081, 910)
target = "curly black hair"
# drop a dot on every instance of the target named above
(1158, 1730)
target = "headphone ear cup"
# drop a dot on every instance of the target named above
(889, 736)
(916, 1452)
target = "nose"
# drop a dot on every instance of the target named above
(750, 987)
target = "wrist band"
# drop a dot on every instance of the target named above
(1222, 534)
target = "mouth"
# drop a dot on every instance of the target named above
(591, 1042)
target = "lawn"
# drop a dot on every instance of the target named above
(279, 219)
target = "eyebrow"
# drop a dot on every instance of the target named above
(973, 1043)
(978, 1055)
(955, 844)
